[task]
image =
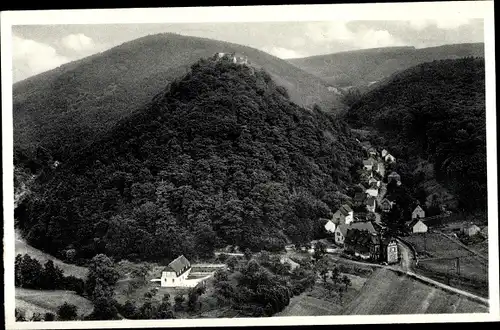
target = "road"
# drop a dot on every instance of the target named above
(406, 257)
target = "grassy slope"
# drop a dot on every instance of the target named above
(388, 293)
(42, 301)
(23, 248)
(364, 66)
(81, 98)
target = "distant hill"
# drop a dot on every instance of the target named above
(361, 68)
(434, 112)
(221, 156)
(72, 104)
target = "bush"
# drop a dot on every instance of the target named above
(49, 317)
(67, 312)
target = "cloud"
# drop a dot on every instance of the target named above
(339, 32)
(31, 57)
(448, 23)
(452, 23)
(282, 53)
(78, 42)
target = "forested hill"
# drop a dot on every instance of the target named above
(435, 111)
(222, 156)
(58, 110)
(360, 68)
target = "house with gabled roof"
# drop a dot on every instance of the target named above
(370, 204)
(330, 226)
(394, 176)
(418, 212)
(340, 233)
(471, 230)
(417, 226)
(384, 153)
(372, 181)
(359, 198)
(344, 215)
(373, 190)
(368, 164)
(178, 274)
(386, 205)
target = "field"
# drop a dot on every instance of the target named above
(389, 293)
(318, 301)
(473, 271)
(68, 269)
(42, 301)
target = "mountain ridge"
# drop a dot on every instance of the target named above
(221, 156)
(80, 100)
(359, 68)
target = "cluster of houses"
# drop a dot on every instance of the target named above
(362, 238)
(374, 168)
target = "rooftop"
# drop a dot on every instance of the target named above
(178, 264)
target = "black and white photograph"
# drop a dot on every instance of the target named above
(213, 166)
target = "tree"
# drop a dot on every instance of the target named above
(346, 281)
(179, 301)
(248, 254)
(232, 262)
(103, 274)
(319, 250)
(20, 315)
(36, 317)
(335, 274)
(129, 310)
(49, 316)
(67, 312)
(52, 276)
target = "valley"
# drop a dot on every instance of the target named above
(176, 177)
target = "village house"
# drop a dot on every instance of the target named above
(484, 232)
(176, 272)
(368, 164)
(344, 215)
(417, 226)
(372, 152)
(358, 242)
(373, 190)
(390, 158)
(359, 199)
(330, 226)
(340, 233)
(370, 204)
(386, 205)
(379, 168)
(372, 181)
(418, 212)
(471, 230)
(394, 177)
(384, 153)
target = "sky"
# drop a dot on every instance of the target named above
(38, 48)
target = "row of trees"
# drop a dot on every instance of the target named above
(29, 273)
(65, 312)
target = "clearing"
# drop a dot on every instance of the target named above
(43, 301)
(23, 248)
(437, 260)
(389, 293)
